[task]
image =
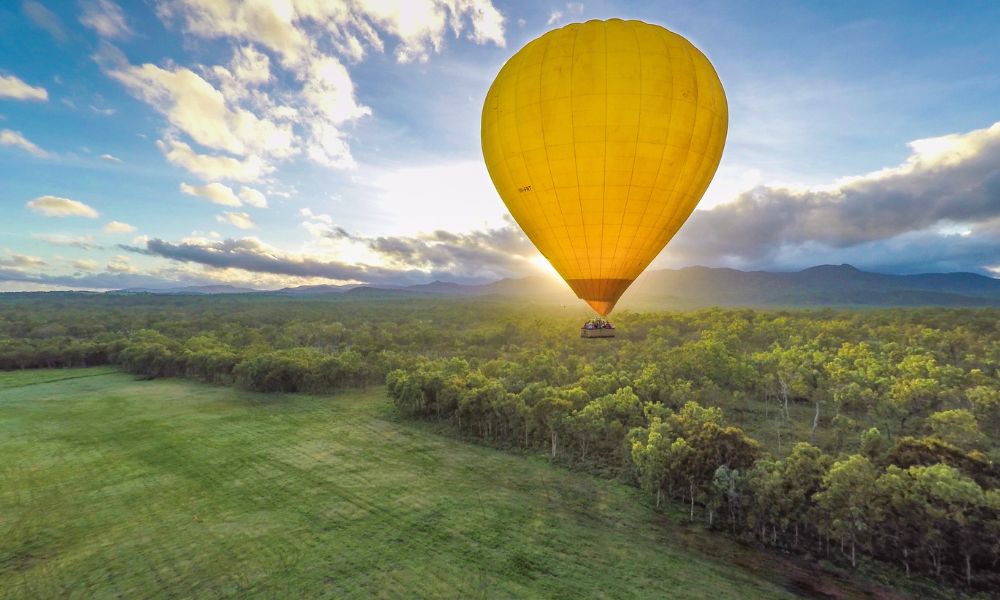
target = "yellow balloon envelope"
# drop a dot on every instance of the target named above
(601, 137)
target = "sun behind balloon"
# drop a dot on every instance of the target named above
(601, 137)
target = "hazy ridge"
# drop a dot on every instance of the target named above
(824, 285)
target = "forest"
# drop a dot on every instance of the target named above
(849, 438)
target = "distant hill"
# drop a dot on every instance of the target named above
(313, 290)
(824, 285)
(189, 290)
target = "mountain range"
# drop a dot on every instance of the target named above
(825, 285)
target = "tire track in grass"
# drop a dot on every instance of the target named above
(9, 379)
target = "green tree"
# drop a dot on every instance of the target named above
(843, 502)
(957, 427)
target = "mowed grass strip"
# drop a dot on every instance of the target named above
(112, 487)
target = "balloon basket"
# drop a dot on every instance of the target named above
(597, 328)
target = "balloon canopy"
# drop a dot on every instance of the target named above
(601, 137)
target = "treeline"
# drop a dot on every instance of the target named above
(919, 502)
(900, 409)
(303, 369)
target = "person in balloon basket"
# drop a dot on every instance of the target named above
(598, 324)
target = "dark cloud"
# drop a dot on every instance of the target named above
(337, 233)
(874, 219)
(501, 252)
(468, 258)
(97, 281)
(251, 255)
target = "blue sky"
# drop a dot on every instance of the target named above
(194, 141)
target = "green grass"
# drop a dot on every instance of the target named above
(112, 487)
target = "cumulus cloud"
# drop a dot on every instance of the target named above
(249, 65)
(120, 264)
(12, 87)
(329, 93)
(216, 193)
(110, 158)
(21, 261)
(420, 26)
(16, 139)
(118, 227)
(209, 167)
(240, 220)
(224, 195)
(244, 128)
(45, 19)
(880, 219)
(54, 206)
(194, 106)
(252, 197)
(85, 264)
(106, 18)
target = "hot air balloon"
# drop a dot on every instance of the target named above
(601, 137)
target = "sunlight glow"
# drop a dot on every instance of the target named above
(545, 267)
(452, 196)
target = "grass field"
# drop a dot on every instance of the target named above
(112, 487)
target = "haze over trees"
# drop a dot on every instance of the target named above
(835, 435)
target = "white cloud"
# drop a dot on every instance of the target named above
(266, 23)
(207, 166)
(252, 197)
(237, 117)
(250, 66)
(12, 87)
(84, 242)
(554, 16)
(118, 227)
(194, 106)
(311, 216)
(110, 158)
(421, 25)
(9, 137)
(284, 27)
(106, 18)
(216, 193)
(19, 261)
(54, 206)
(85, 264)
(329, 93)
(120, 264)
(240, 220)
